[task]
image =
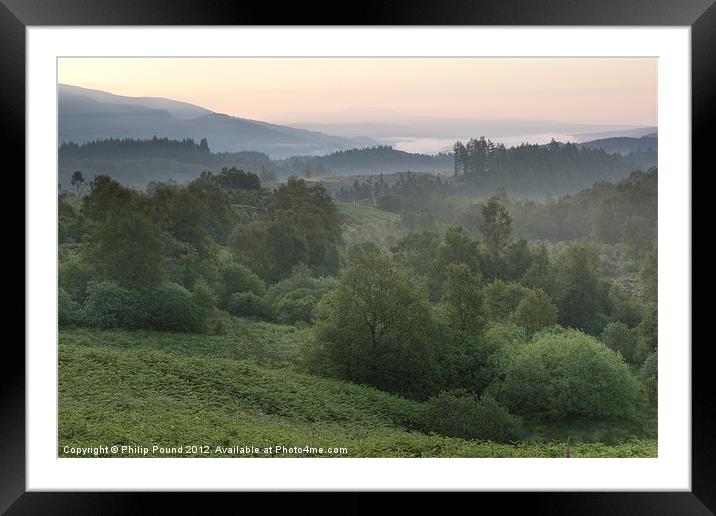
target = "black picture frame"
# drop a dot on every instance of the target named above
(700, 15)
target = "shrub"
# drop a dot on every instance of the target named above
(458, 359)
(501, 343)
(74, 276)
(109, 305)
(246, 304)
(650, 367)
(619, 337)
(295, 298)
(69, 311)
(623, 307)
(204, 299)
(296, 305)
(567, 373)
(236, 277)
(461, 413)
(596, 324)
(171, 307)
(472, 363)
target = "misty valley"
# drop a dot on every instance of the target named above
(234, 288)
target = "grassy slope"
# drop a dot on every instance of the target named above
(149, 388)
(366, 224)
(363, 214)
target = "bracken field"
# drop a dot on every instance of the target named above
(147, 388)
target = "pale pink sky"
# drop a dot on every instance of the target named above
(583, 90)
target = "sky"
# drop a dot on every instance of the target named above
(608, 91)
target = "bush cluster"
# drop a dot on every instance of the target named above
(168, 307)
(461, 413)
(567, 373)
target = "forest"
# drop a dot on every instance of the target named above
(405, 314)
(526, 170)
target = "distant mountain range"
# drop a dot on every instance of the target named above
(632, 133)
(86, 115)
(625, 144)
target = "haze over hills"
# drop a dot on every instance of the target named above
(278, 151)
(86, 115)
(637, 132)
(625, 144)
(433, 134)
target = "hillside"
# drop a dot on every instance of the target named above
(171, 390)
(86, 115)
(370, 160)
(139, 162)
(362, 223)
(625, 144)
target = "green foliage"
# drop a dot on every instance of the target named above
(109, 305)
(235, 179)
(230, 385)
(497, 348)
(106, 198)
(69, 311)
(636, 233)
(133, 386)
(647, 339)
(581, 295)
(619, 337)
(417, 251)
(74, 275)
(362, 223)
(457, 247)
(535, 311)
(213, 206)
(496, 226)
(376, 327)
(266, 344)
(467, 362)
(461, 413)
(649, 372)
(246, 304)
(567, 374)
(167, 307)
(125, 244)
(624, 307)
(185, 264)
(205, 301)
(649, 277)
(237, 278)
(296, 306)
(518, 260)
(72, 226)
(129, 250)
(501, 299)
(650, 367)
(171, 307)
(78, 182)
(462, 300)
(539, 273)
(597, 212)
(295, 298)
(434, 315)
(303, 226)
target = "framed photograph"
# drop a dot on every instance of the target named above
(438, 249)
